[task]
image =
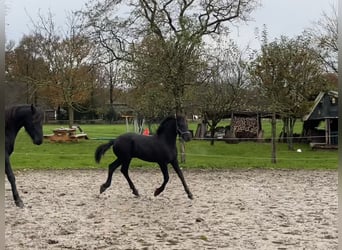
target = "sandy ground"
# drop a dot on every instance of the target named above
(235, 209)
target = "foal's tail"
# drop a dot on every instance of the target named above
(101, 150)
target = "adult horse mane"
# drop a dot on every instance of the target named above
(16, 117)
(160, 148)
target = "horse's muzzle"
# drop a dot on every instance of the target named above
(186, 136)
(38, 141)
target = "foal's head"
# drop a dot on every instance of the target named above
(174, 125)
(182, 128)
(33, 124)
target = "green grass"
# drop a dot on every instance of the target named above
(257, 155)
(199, 154)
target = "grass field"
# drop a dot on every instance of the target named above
(199, 154)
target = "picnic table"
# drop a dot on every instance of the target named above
(65, 135)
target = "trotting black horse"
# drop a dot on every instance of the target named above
(160, 148)
(16, 117)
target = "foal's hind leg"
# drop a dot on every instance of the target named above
(111, 168)
(11, 179)
(180, 175)
(124, 171)
(163, 168)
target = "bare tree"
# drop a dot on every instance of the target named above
(222, 92)
(110, 80)
(111, 66)
(69, 57)
(324, 36)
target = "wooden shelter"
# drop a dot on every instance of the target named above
(324, 110)
(246, 125)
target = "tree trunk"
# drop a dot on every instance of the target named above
(179, 109)
(290, 125)
(273, 140)
(212, 126)
(212, 135)
(71, 116)
(288, 131)
(283, 134)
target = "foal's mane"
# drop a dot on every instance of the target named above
(163, 124)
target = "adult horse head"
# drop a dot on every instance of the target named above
(160, 148)
(16, 117)
(33, 124)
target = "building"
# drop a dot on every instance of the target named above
(320, 125)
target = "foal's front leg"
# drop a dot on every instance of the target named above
(163, 168)
(11, 179)
(179, 172)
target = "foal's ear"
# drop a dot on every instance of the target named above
(33, 109)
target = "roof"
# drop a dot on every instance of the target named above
(319, 100)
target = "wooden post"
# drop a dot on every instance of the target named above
(273, 140)
(126, 124)
(327, 131)
(182, 149)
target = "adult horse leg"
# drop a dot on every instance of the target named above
(111, 168)
(163, 168)
(179, 172)
(11, 179)
(124, 171)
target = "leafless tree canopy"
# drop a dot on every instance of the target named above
(324, 35)
(68, 56)
(127, 23)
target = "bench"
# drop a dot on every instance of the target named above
(65, 135)
(80, 136)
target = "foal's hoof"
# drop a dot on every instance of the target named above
(190, 196)
(157, 192)
(19, 203)
(102, 189)
(136, 193)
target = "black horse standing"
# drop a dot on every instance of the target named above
(16, 117)
(160, 148)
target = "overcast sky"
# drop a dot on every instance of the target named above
(281, 17)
